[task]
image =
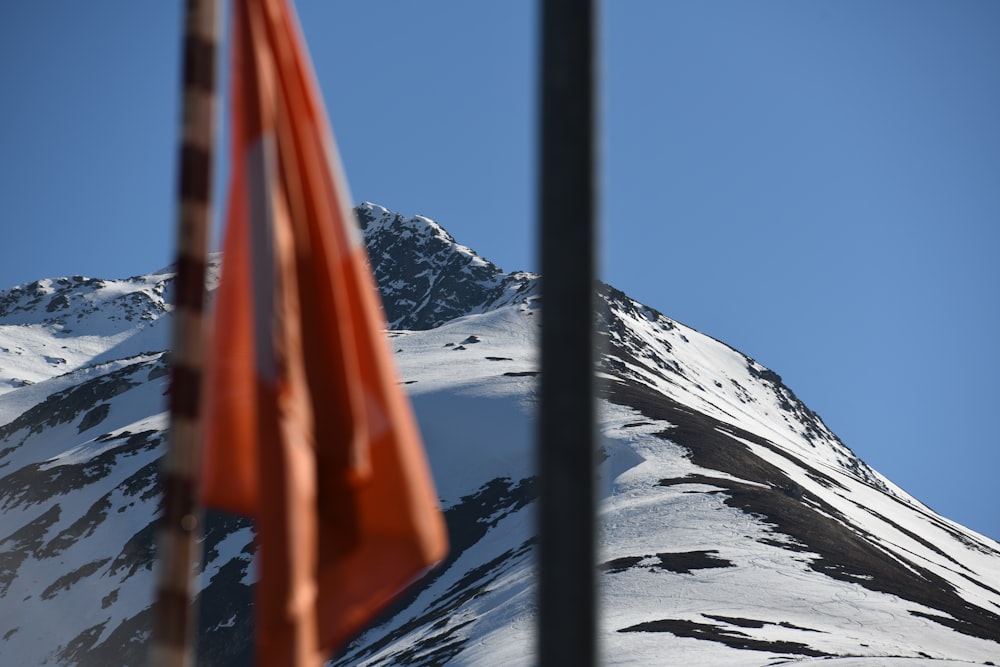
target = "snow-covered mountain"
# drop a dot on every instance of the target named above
(736, 529)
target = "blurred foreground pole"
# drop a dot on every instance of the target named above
(567, 608)
(173, 620)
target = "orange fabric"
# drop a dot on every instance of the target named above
(307, 429)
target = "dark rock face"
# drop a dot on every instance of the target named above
(425, 277)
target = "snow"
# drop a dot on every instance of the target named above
(461, 415)
(472, 381)
(839, 616)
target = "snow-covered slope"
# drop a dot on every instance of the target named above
(736, 529)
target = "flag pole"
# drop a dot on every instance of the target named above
(180, 524)
(567, 431)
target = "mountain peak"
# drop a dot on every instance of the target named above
(373, 218)
(425, 276)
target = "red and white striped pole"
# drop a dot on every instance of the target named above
(179, 527)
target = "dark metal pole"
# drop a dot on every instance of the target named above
(567, 432)
(179, 527)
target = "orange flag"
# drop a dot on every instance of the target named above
(307, 429)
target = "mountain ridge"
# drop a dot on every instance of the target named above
(736, 527)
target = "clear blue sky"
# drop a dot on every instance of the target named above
(815, 183)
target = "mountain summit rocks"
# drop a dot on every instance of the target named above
(426, 278)
(736, 529)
